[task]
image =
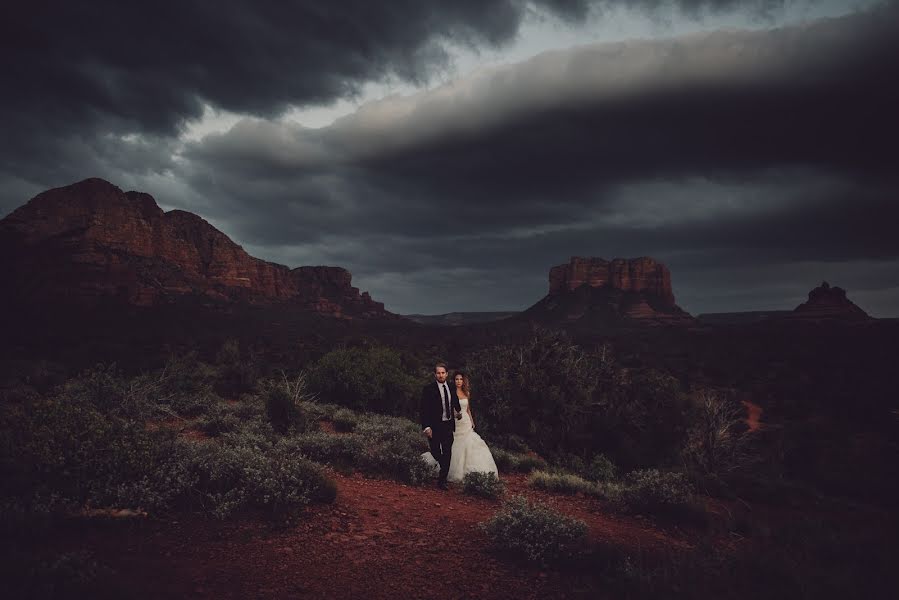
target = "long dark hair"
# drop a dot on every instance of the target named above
(466, 387)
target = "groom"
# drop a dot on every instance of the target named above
(439, 410)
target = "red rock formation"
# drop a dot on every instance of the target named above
(635, 275)
(90, 240)
(826, 302)
(637, 289)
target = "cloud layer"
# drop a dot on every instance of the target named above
(753, 162)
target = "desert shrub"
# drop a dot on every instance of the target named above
(219, 419)
(510, 462)
(283, 398)
(548, 414)
(393, 448)
(485, 485)
(600, 469)
(718, 444)
(236, 374)
(249, 407)
(102, 387)
(381, 446)
(192, 404)
(562, 483)
(642, 420)
(652, 490)
(506, 461)
(183, 388)
(236, 475)
(63, 452)
(367, 379)
(342, 451)
(319, 411)
(535, 532)
(530, 462)
(345, 420)
(507, 441)
(186, 374)
(566, 461)
(280, 409)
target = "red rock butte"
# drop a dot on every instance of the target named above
(608, 291)
(642, 274)
(826, 302)
(91, 240)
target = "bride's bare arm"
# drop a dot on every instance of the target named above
(469, 413)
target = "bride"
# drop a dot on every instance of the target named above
(470, 453)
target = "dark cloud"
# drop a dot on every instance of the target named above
(524, 146)
(731, 152)
(727, 150)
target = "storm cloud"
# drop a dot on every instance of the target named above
(753, 162)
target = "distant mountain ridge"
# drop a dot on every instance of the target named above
(460, 318)
(825, 303)
(90, 241)
(738, 318)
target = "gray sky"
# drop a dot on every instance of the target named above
(448, 154)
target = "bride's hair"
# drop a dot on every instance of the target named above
(465, 385)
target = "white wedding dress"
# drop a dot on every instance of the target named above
(470, 451)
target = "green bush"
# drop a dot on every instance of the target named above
(506, 461)
(485, 485)
(508, 441)
(219, 419)
(248, 471)
(345, 420)
(600, 469)
(101, 387)
(642, 419)
(563, 483)
(282, 413)
(342, 451)
(236, 374)
(319, 411)
(535, 532)
(652, 490)
(371, 379)
(549, 414)
(250, 408)
(393, 448)
(63, 453)
(283, 398)
(530, 462)
(510, 462)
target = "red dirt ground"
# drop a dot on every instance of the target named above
(380, 539)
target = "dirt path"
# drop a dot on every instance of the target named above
(753, 415)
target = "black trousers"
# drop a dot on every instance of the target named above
(441, 443)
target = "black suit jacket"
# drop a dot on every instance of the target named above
(432, 405)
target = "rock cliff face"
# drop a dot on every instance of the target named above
(826, 302)
(91, 241)
(635, 275)
(608, 291)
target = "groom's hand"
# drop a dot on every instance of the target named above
(428, 432)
